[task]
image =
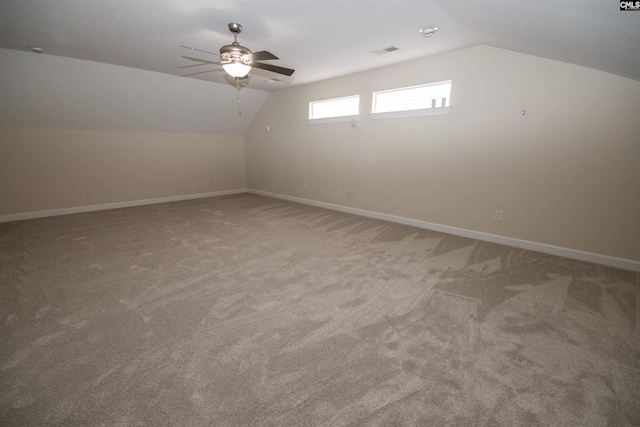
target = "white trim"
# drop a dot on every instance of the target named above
(410, 113)
(91, 208)
(333, 120)
(625, 264)
(350, 106)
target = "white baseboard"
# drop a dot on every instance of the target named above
(91, 208)
(625, 264)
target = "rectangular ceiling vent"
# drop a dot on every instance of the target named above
(385, 50)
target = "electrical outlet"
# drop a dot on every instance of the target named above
(349, 194)
(498, 216)
(80, 193)
(339, 191)
(306, 187)
(207, 182)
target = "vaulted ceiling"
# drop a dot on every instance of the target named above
(321, 39)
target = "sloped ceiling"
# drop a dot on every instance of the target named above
(51, 92)
(322, 38)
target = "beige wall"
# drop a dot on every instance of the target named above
(120, 134)
(568, 175)
(43, 169)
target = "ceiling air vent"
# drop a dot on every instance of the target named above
(385, 50)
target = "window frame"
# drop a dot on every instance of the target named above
(418, 112)
(333, 119)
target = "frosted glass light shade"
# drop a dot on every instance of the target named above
(236, 69)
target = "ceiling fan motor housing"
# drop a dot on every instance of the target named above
(234, 52)
(234, 49)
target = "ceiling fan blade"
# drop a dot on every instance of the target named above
(199, 50)
(272, 78)
(263, 55)
(191, 58)
(201, 72)
(273, 68)
(194, 65)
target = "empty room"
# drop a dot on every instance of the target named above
(319, 213)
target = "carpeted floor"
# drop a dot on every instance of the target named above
(245, 310)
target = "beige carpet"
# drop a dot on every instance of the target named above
(245, 310)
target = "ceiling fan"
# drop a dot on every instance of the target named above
(237, 61)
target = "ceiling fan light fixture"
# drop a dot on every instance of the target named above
(428, 31)
(237, 61)
(236, 69)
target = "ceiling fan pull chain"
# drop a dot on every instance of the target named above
(239, 110)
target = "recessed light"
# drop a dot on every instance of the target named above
(428, 31)
(35, 49)
(272, 81)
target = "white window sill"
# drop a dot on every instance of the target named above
(410, 113)
(333, 120)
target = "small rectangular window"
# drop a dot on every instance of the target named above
(345, 108)
(434, 95)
